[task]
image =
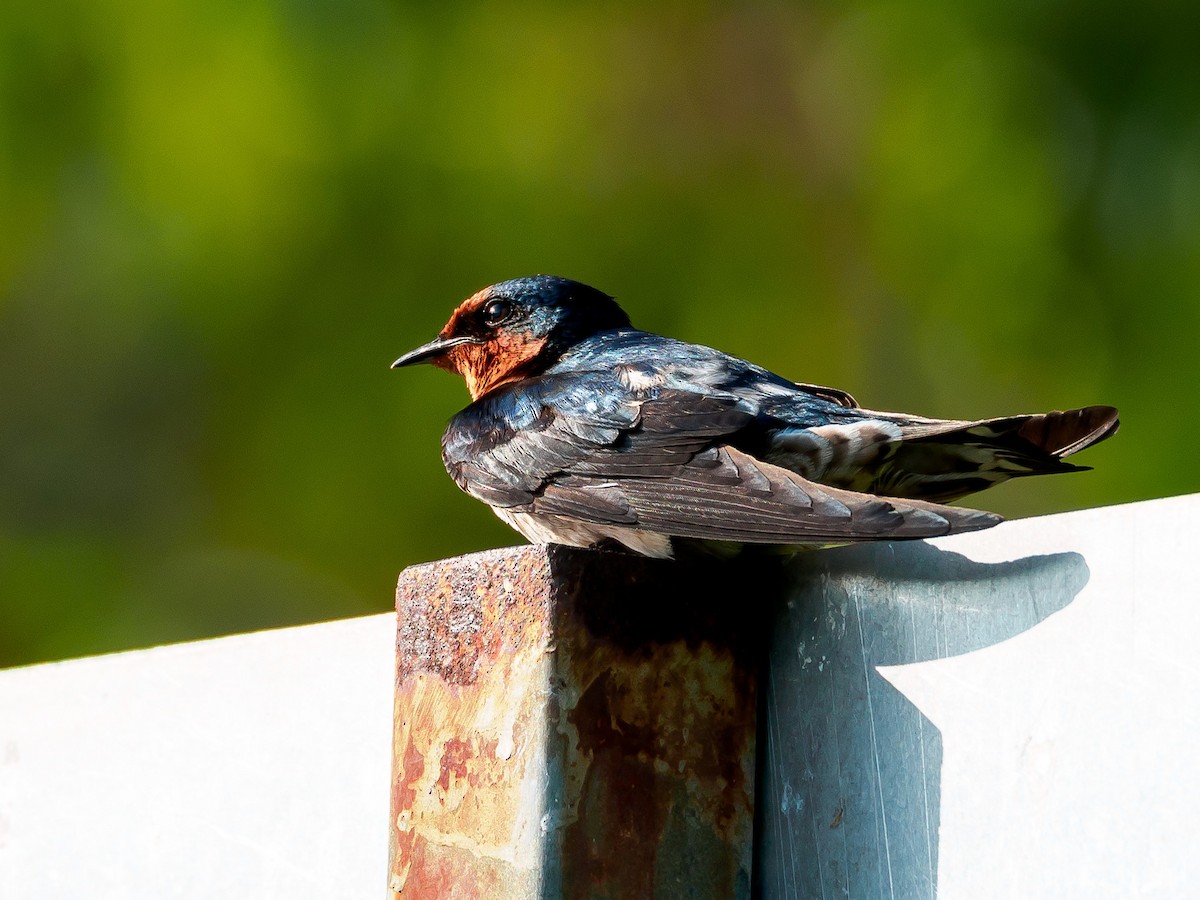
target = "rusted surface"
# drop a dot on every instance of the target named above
(469, 764)
(572, 723)
(455, 612)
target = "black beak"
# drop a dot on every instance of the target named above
(436, 347)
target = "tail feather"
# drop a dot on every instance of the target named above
(947, 460)
(1062, 433)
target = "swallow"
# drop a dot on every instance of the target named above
(585, 431)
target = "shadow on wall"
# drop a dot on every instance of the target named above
(849, 792)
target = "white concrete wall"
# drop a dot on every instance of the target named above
(254, 766)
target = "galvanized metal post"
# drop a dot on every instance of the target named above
(851, 795)
(573, 724)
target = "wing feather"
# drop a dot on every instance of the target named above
(661, 461)
(792, 511)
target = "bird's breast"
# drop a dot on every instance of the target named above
(559, 530)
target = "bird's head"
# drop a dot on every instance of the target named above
(516, 329)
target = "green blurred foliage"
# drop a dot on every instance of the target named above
(219, 222)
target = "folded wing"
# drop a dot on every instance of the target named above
(663, 461)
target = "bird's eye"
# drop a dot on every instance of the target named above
(496, 312)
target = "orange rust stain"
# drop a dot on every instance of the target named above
(412, 768)
(451, 873)
(456, 755)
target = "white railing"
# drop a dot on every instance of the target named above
(1012, 713)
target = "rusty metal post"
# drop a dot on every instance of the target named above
(573, 724)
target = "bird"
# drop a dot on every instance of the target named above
(583, 430)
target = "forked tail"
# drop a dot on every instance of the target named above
(942, 461)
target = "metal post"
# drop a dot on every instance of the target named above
(573, 724)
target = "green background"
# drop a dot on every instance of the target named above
(221, 221)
